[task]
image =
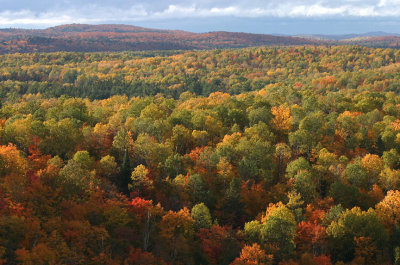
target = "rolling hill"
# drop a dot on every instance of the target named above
(96, 38)
(392, 41)
(116, 37)
(377, 39)
(347, 37)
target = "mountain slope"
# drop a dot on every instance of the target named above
(109, 37)
(378, 42)
(345, 37)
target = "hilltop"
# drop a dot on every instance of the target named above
(111, 37)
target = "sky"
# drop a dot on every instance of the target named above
(255, 16)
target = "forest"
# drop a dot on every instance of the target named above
(120, 38)
(117, 37)
(254, 156)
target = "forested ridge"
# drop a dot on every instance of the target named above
(109, 37)
(118, 38)
(244, 156)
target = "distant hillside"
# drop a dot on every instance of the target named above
(377, 39)
(344, 37)
(94, 38)
(378, 42)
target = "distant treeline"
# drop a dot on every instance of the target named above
(101, 75)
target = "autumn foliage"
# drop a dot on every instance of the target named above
(252, 156)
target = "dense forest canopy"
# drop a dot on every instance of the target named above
(102, 75)
(109, 37)
(249, 156)
(116, 37)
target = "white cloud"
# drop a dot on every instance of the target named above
(95, 13)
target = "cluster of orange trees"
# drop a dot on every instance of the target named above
(291, 157)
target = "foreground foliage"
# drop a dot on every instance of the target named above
(305, 169)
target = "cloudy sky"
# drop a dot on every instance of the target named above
(259, 16)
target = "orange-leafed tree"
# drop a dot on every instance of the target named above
(176, 233)
(13, 169)
(139, 257)
(146, 215)
(282, 121)
(388, 209)
(253, 255)
(219, 244)
(311, 237)
(323, 260)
